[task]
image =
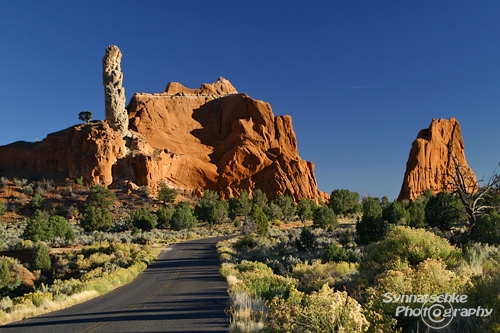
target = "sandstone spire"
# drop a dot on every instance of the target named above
(431, 160)
(114, 93)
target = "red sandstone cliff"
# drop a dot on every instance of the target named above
(195, 139)
(430, 163)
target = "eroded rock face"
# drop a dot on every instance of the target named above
(114, 92)
(214, 138)
(88, 150)
(430, 163)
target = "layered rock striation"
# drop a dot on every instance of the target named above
(196, 139)
(430, 163)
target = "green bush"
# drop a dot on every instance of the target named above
(444, 211)
(487, 228)
(323, 311)
(261, 220)
(396, 213)
(143, 219)
(95, 218)
(305, 209)
(183, 218)
(273, 212)
(344, 202)
(37, 228)
(166, 194)
(211, 209)
(4, 274)
(306, 241)
(3, 209)
(164, 215)
(325, 218)
(334, 252)
(41, 258)
(429, 277)
(60, 227)
(287, 206)
(405, 246)
(240, 206)
(37, 201)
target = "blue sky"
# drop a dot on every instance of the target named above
(359, 78)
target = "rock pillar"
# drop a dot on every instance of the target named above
(114, 93)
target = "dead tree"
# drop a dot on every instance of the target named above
(463, 184)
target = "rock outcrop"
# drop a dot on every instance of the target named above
(114, 92)
(215, 138)
(207, 138)
(87, 150)
(430, 163)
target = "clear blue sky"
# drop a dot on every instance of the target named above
(359, 78)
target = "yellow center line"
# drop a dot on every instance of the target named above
(98, 325)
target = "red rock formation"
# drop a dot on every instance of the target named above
(88, 150)
(214, 138)
(195, 139)
(430, 163)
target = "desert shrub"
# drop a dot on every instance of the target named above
(41, 258)
(37, 201)
(143, 219)
(211, 209)
(405, 246)
(20, 182)
(96, 219)
(429, 277)
(396, 213)
(259, 198)
(96, 215)
(323, 311)
(3, 209)
(371, 228)
(444, 211)
(15, 269)
(312, 276)
(165, 193)
(261, 220)
(325, 218)
(305, 209)
(80, 181)
(60, 227)
(273, 212)
(100, 196)
(287, 206)
(306, 241)
(240, 206)
(416, 211)
(37, 228)
(183, 218)
(344, 202)
(487, 228)
(4, 274)
(260, 281)
(164, 215)
(334, 252)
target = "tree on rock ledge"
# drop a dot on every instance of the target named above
(85, 116)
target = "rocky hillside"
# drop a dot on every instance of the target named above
(430, 162)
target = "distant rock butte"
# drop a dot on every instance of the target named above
(195, 139)
(430, 164)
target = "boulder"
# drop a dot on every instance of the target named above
(430, 163)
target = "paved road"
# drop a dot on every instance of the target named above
(182, 291)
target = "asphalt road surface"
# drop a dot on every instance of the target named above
(182, 291)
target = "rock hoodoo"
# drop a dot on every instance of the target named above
(114, 92)
(430, 162)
